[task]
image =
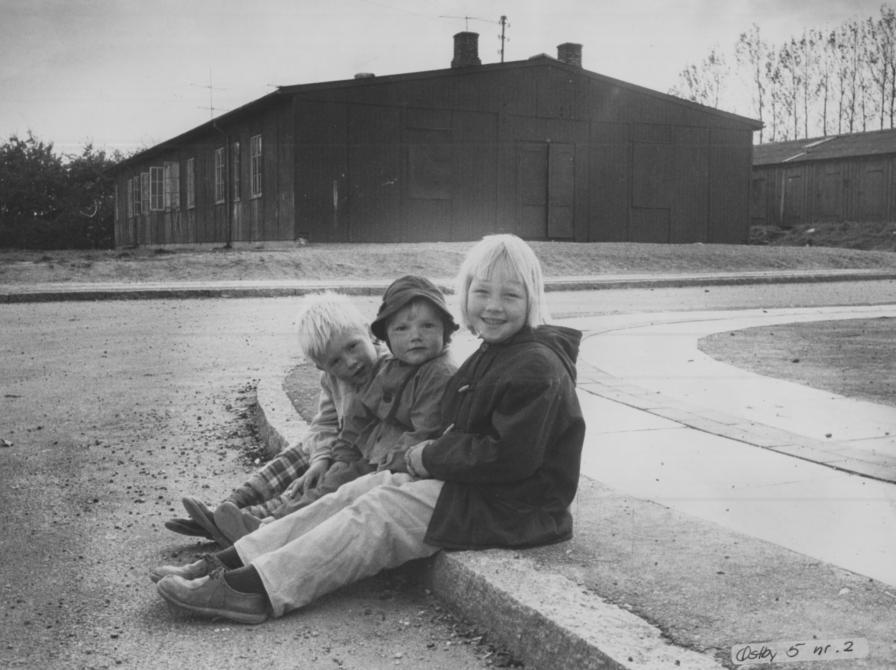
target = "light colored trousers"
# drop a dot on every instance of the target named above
(372, 523)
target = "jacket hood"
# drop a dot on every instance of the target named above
(563, 341)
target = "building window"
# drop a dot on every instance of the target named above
(144, 192)
(235, 171)
(219, 175)
(191, 183)
(172, 185)
(130, 196)
(156, 189)
(255, 165)
(138, 200)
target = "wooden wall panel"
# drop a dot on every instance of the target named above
(609, 187)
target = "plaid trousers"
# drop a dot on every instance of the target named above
(263, 492)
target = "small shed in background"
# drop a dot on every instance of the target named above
(835, 178)
(541, 148)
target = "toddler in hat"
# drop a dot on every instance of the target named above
(398, 409)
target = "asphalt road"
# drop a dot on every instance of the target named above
(113, 410)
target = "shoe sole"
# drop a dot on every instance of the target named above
(232, 528)
(207, 521)
(187, 527)
(213, 613)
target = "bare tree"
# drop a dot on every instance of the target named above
(788, 79)
(842, 80)
(880, 50)
(808, 54)
(752, 53)
(825, 68)
(705, 82)
(776, 100)
(847, 70)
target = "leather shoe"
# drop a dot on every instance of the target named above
(234, 522)
(187, 527)
(212, 597)
(203, 516)
(206, 564)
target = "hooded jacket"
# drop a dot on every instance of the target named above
(510, 460)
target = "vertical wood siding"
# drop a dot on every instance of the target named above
(539, 150)
(849, 189)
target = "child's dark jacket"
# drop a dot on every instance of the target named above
(510, 462)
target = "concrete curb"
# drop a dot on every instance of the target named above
(275, 289)
(548, 620)
(279, 424)
(543, 618)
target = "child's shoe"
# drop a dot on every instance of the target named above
(202, 515)
(187, 527)
(234, 522)
(206, 564)
(213, 597)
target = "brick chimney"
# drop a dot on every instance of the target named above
(570, 53)
(466, 50)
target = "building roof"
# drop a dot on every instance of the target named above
(284, 92)
(876, 143)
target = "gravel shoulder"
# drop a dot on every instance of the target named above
(113, 411)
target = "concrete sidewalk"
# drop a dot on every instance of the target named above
(698, 534)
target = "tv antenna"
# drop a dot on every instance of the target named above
(466, 19)
(503, 22)
(211, 102)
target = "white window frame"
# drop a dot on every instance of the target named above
(255, 165)
(191, 183)
(156, 188)
(144, 192)
(172, 185)
(136, 196)
(236, 184)
(220, 163)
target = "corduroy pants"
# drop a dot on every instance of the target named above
(367, 525)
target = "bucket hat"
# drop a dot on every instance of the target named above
(401, 293)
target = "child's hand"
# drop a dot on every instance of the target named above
(308, 480)
(294, 490)
(394, 462)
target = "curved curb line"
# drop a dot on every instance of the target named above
(279, 424)
(13, 293)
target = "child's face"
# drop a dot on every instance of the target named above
(497, 307)
(350, 356)
(416, 333)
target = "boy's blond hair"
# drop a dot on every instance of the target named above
(324, 316)
(504, 253)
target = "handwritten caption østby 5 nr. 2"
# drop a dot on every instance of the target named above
(789, 651)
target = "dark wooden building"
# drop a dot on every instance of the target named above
(836, 178)
(541, 148)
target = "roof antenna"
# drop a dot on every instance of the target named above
(465, 18)
(211, 103)
(504, 25)
(503, 21)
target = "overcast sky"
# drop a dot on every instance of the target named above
(129, 73)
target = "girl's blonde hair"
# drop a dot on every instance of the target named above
(505, 254)
(324, 316)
